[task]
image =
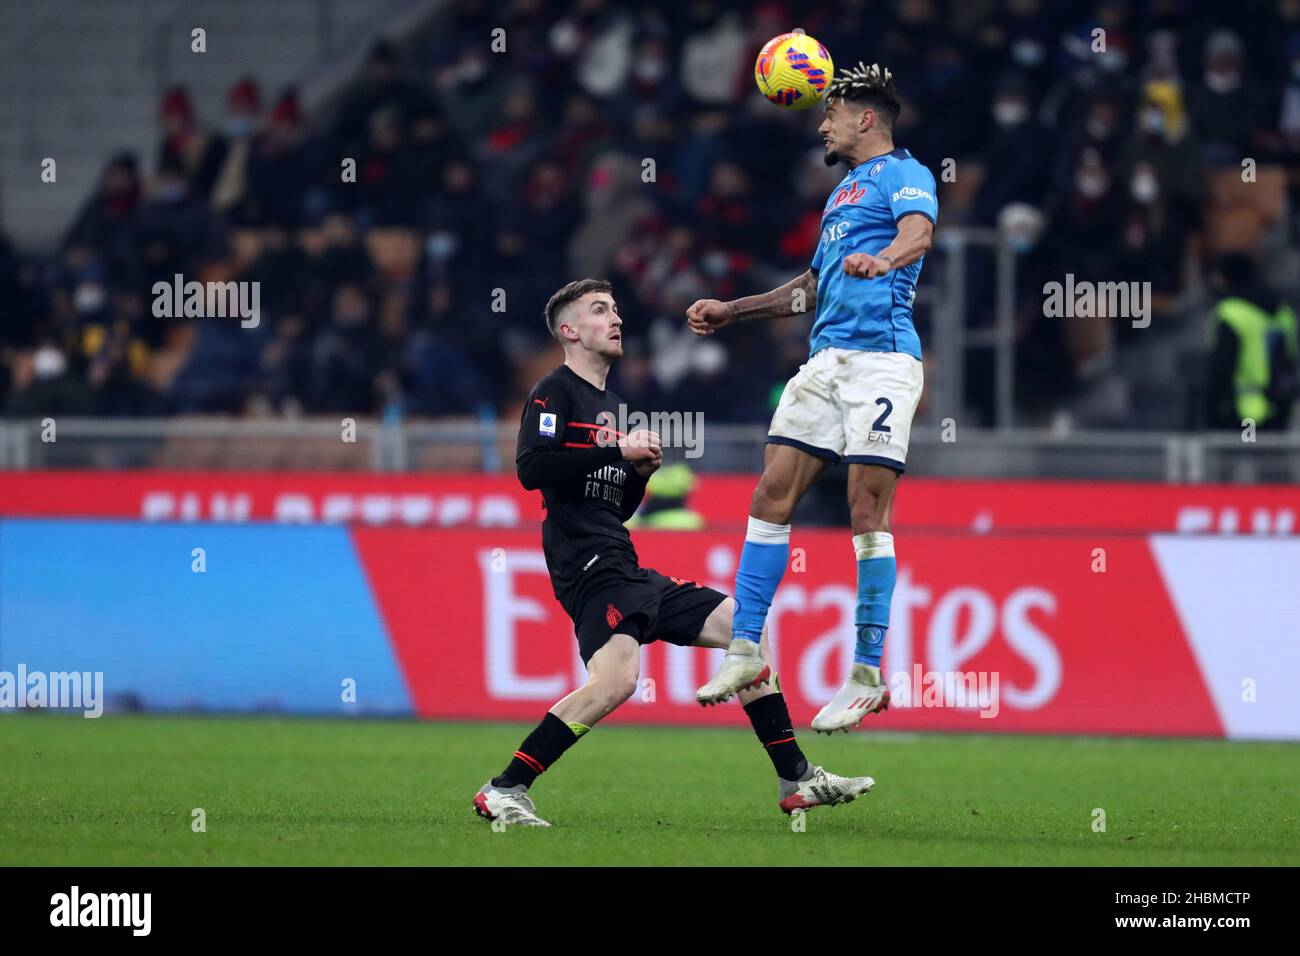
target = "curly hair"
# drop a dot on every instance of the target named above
(871, 86)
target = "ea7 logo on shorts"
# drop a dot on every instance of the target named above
(546, 424)
(911, 192)
(878, 438)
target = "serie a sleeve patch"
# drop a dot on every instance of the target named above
(546, 424)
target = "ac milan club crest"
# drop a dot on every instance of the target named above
(613, 615)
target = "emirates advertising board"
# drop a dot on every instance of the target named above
(1012, 612)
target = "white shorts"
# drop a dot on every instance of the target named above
(846, 405)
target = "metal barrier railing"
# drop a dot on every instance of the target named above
(472, 445)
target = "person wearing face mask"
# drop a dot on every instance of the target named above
(1083, 181)
(1224, 104)
(171, 224)
(44, 386)
(1013, 156)
(243, 107)
(185, 145)
(1022, 33)
(1164, 172)
(1153, 236)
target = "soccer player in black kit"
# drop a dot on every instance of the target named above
(592, 479)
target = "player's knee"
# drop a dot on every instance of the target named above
(773, 499)
(617, 687)
(867, 515)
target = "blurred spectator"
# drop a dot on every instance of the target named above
(348, 356)
(514, 145)
(487, 179)
(1224, 103)
(387, 176)
(443, 380)
(471, 91)
(1012, 157)
(185, 148)
(1256, 358)
(115, 372)
(460, 224)
(1287, 111)
(533, 232)
(1164, 175)
(172, 225)
(597, 37)
(42, 385)
(243, 110)
(284, 168)
(106, 220)
(382, 87)
(1020, 32)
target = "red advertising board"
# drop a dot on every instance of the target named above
(1017, 633)
(498, 501)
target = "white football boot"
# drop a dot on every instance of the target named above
(511, 805)
(863, 693)
(742, 667)
(821, 789)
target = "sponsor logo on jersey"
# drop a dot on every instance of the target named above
(546, 424)
(911, 192)
(834, 232)
(849, 194)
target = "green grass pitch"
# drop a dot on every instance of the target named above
(121, 791)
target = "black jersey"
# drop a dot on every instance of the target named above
(568, 447)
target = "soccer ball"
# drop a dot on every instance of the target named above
(793, 70)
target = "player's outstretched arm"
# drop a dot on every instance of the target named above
(796, 297)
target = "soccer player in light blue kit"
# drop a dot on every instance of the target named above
(853, 400)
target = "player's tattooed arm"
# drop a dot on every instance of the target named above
(915, 235)
(796, 297)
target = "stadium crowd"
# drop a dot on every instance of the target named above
(627, 141)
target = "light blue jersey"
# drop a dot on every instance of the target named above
(870, 315)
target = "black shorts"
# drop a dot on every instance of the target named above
(641, 603)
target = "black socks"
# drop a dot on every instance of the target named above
(551, 738)
(772, 724)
